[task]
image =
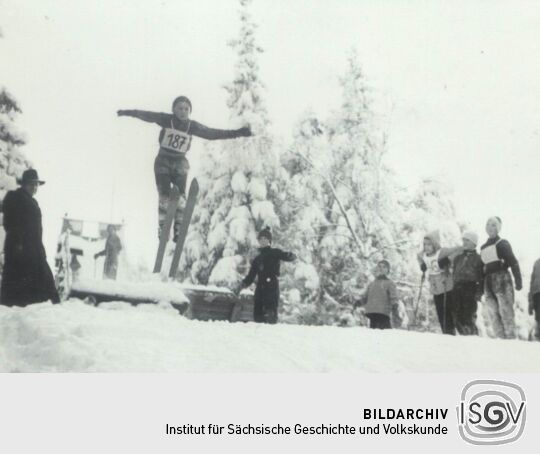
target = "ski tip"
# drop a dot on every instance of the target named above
(194, 186)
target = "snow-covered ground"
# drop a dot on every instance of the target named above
(117, 337)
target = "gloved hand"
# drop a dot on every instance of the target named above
(519, 286)
(423, 267)
(244, 132)
(120, 113)
(531, 306)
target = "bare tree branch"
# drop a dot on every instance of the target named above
(336, 198)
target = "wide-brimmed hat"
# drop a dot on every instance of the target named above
(30, 176)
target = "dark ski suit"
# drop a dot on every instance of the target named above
(265, 267)
(171, 166)
(26, 277)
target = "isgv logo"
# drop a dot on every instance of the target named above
(491, 412)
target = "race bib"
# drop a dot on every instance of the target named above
(432, 264)
(489, 254)
(175, 140)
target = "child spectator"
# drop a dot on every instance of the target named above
(468, 285)
(380, 298)
(265, 268)
(436, 262)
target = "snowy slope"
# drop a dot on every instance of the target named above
(116, 337)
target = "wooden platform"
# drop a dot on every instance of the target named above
(203, 303)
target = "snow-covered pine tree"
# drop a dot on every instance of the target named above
(348, 216)
(12, 160)
(240, 179)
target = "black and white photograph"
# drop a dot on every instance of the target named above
(254, 186)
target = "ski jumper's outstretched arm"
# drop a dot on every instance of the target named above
(195, 128)
(159, 118)
(204, 132)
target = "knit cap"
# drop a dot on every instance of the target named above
(435, 239)
(471, 236)
(265, 233)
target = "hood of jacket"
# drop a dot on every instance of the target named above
(435, 239)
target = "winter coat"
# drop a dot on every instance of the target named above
(468, 268)
(497, 255)
(381, 296)
(535, 279)
(437, 266)
(26, 277)
(266, 266)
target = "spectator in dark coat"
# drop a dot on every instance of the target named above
(468, 274)
(265, 267)
(26, 277)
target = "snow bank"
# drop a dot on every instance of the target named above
(117, 337)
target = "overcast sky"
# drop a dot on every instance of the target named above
(458, 85)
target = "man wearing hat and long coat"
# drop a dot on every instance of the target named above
(26, 277)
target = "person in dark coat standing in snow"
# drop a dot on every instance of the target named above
(26, 277)
(265, 267)
(468, 275)
(113, 246)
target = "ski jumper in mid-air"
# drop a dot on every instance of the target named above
(171, 166)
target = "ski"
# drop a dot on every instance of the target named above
(171, 211)
(186, 219)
